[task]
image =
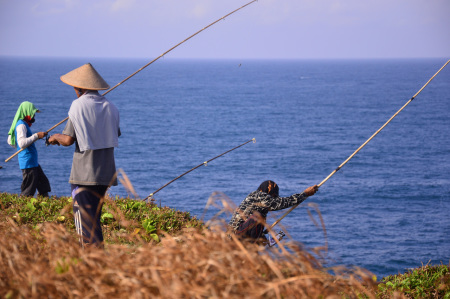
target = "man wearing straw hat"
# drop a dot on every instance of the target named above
(20, 136)
(93, 126)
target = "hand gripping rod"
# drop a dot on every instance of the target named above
(364, 144)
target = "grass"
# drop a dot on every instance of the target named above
(424, 282)
(154, 252)
(123, 219)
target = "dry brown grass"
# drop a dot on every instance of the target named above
(45, 261)
(48, 263)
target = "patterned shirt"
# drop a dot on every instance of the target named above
(263, 203)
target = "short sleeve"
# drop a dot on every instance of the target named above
(69, 130)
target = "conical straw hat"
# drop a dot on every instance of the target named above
(85, 77)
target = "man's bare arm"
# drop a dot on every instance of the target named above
(61, 139)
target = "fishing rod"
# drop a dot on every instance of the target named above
(22, 149)
(364, 144)
(150, 196)
(162, 55)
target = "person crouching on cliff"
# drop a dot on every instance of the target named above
(249, 218)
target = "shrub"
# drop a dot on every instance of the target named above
(424, 282)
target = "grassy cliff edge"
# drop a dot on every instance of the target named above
(160, 252)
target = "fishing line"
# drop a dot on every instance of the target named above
(192, 169)
(364, 144)
(162, 55)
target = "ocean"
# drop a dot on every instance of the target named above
(386, 210)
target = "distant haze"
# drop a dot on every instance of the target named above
(272, 29)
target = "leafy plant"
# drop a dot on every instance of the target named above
(106, 218)
(149, 225)
(424, 282)
(30, 210)
(120, 218)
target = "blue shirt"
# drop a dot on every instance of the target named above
(28, 158)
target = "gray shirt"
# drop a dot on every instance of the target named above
(95, 120)
(91, 167)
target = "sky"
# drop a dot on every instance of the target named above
(266, 29)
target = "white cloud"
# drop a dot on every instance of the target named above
(51, 7)
(120, 5)
(199, 10)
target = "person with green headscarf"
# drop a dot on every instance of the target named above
(21, 137)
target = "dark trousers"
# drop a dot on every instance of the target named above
(34, 178)
(251, 228)
(87, 210)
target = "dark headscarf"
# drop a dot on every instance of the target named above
(269, 187)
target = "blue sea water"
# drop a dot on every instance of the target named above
(386, 210)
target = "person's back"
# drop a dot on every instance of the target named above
(93, 126)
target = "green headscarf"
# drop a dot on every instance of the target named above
(25, 109)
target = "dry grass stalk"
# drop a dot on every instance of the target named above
(48, 262)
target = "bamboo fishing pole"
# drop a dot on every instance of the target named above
(162, 55)
(194, 168)
(33, 142)
(364, 144)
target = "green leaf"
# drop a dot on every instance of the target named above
(155, 237)
(31, 207)
(390, 284)
(106, 217)
(147, 224)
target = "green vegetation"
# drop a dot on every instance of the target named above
(124, 220)
(424, 282)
